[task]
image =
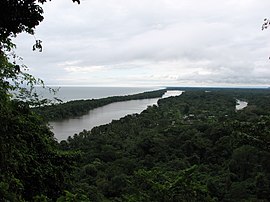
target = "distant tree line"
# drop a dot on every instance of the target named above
(80, 107)
(194, 147)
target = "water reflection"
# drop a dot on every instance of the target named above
(99, 116)
(240, 104)
(103, 115)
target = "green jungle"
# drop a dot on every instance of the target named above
(192, 147)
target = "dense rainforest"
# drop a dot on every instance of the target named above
(194, 147)
(32, 166)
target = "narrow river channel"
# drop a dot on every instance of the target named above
(240, 105)
(103, 115)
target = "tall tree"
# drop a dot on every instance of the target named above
(31, 165)
(18, 16)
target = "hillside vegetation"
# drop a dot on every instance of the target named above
(194, 147)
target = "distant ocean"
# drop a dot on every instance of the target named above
(76, 93)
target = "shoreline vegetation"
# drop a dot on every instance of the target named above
(190, 148)
(193, 147)
(77, 108)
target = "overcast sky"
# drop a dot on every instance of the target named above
(151, 43)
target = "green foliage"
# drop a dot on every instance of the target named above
(17, 17)
(31, 164)
(194, 147)
(70, 197)
(32, 167)
(158, 185)
(80, 107)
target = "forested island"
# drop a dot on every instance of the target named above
(193, 147)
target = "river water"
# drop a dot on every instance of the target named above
(103, 115)
(240, 105)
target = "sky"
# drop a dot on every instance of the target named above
(151, 43)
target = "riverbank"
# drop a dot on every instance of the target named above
(103, 115)
(62, 129)
(80, 107)
(196, 141)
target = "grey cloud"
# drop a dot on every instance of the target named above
(214, 42)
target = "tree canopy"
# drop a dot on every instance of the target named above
(194, 147)
(18, 16)
(32, 167)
